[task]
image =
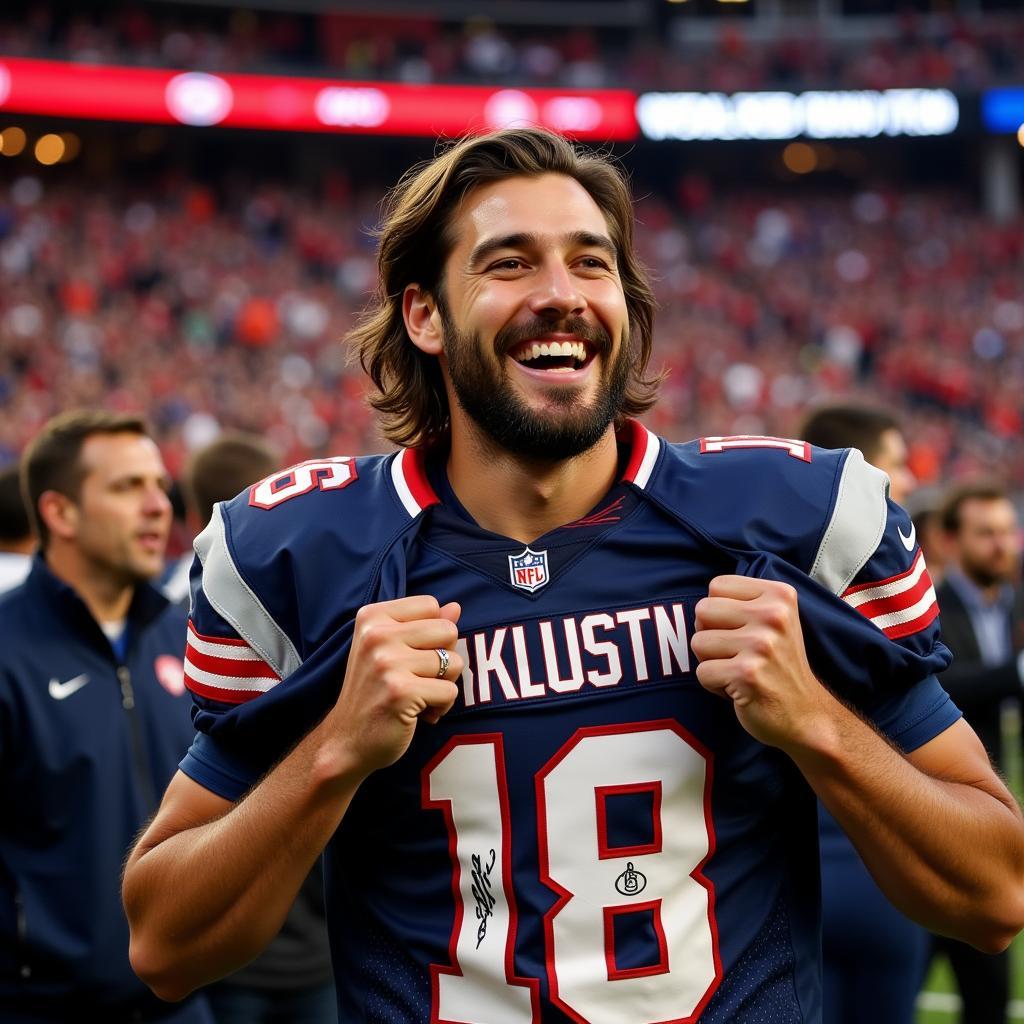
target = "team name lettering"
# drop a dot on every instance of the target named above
(560, 656)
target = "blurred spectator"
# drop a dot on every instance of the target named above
(95, 720)
(216, 472)
(981, 606)
(16, 540)
(873, 957)
(138, 295)
(925, 508)
(968, 53)
(874, 432)
(291, 981)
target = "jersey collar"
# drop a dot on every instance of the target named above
(409, 471)
(644, 450)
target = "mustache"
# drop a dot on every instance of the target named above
(515, 334)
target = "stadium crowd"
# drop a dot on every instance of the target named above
(212, 309)
(958, 53)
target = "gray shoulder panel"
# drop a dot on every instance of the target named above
(233, 599)
(857, 524)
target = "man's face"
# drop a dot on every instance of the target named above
(123, 514)
(891, 457)
(534, 317)
(988, 544)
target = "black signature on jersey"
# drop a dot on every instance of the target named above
(481, 877)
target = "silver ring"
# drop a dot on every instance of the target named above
(445, 658)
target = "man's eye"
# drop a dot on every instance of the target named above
(593, 263)
(511, 263)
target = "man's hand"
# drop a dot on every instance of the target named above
(391, 681)
(750, 645)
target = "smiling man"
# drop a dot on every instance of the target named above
(555, 694)
(93, 719)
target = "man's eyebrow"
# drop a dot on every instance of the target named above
(529, 240)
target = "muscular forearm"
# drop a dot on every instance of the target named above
(945, 846)
(204, 898)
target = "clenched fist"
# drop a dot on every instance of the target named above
(750, 645)
(392, 680)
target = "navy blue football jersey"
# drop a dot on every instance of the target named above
(588, 835)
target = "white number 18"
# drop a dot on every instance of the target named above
(596, 882)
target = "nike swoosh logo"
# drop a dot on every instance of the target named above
(908, 541)
(61, 691)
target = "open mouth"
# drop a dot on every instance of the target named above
(556, 356)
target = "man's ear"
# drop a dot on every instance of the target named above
(59, 513)
(422, 319)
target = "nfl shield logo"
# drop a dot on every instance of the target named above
(528, 570)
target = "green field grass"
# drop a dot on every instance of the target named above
(938, 1002)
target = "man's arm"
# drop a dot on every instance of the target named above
(937, 829)
(209, 883)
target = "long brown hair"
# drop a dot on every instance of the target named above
(416, 239)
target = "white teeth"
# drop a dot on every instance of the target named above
(573, 349)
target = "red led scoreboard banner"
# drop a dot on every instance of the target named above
(108, 93)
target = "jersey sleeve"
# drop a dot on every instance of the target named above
(279, 574)
(869, 609)
(257, 687)
(254, 695)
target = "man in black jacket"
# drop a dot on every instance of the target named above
(93, 721)
(981, 605)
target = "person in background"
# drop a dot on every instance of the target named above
(981, 605)
(873, 956)
(925, 508)
(291, 982)
(16, 540)
(875, 432)
(93, 721)
(215, 472)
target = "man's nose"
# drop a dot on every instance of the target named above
(556, 292)
(157, 502)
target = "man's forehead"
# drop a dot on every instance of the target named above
(551, 204)
(986, 510)
(120, 453)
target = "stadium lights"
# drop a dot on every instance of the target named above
(844, 114)
(49, 149)
(72, 146)
(1002, 110)
(800, 158)
(12, 141)
(158, 96)
(53, 149)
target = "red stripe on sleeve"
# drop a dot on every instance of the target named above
(897, 602)
(914, 625)
(229, 666)
(882, 583)
(225, 696)
(228, 641)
